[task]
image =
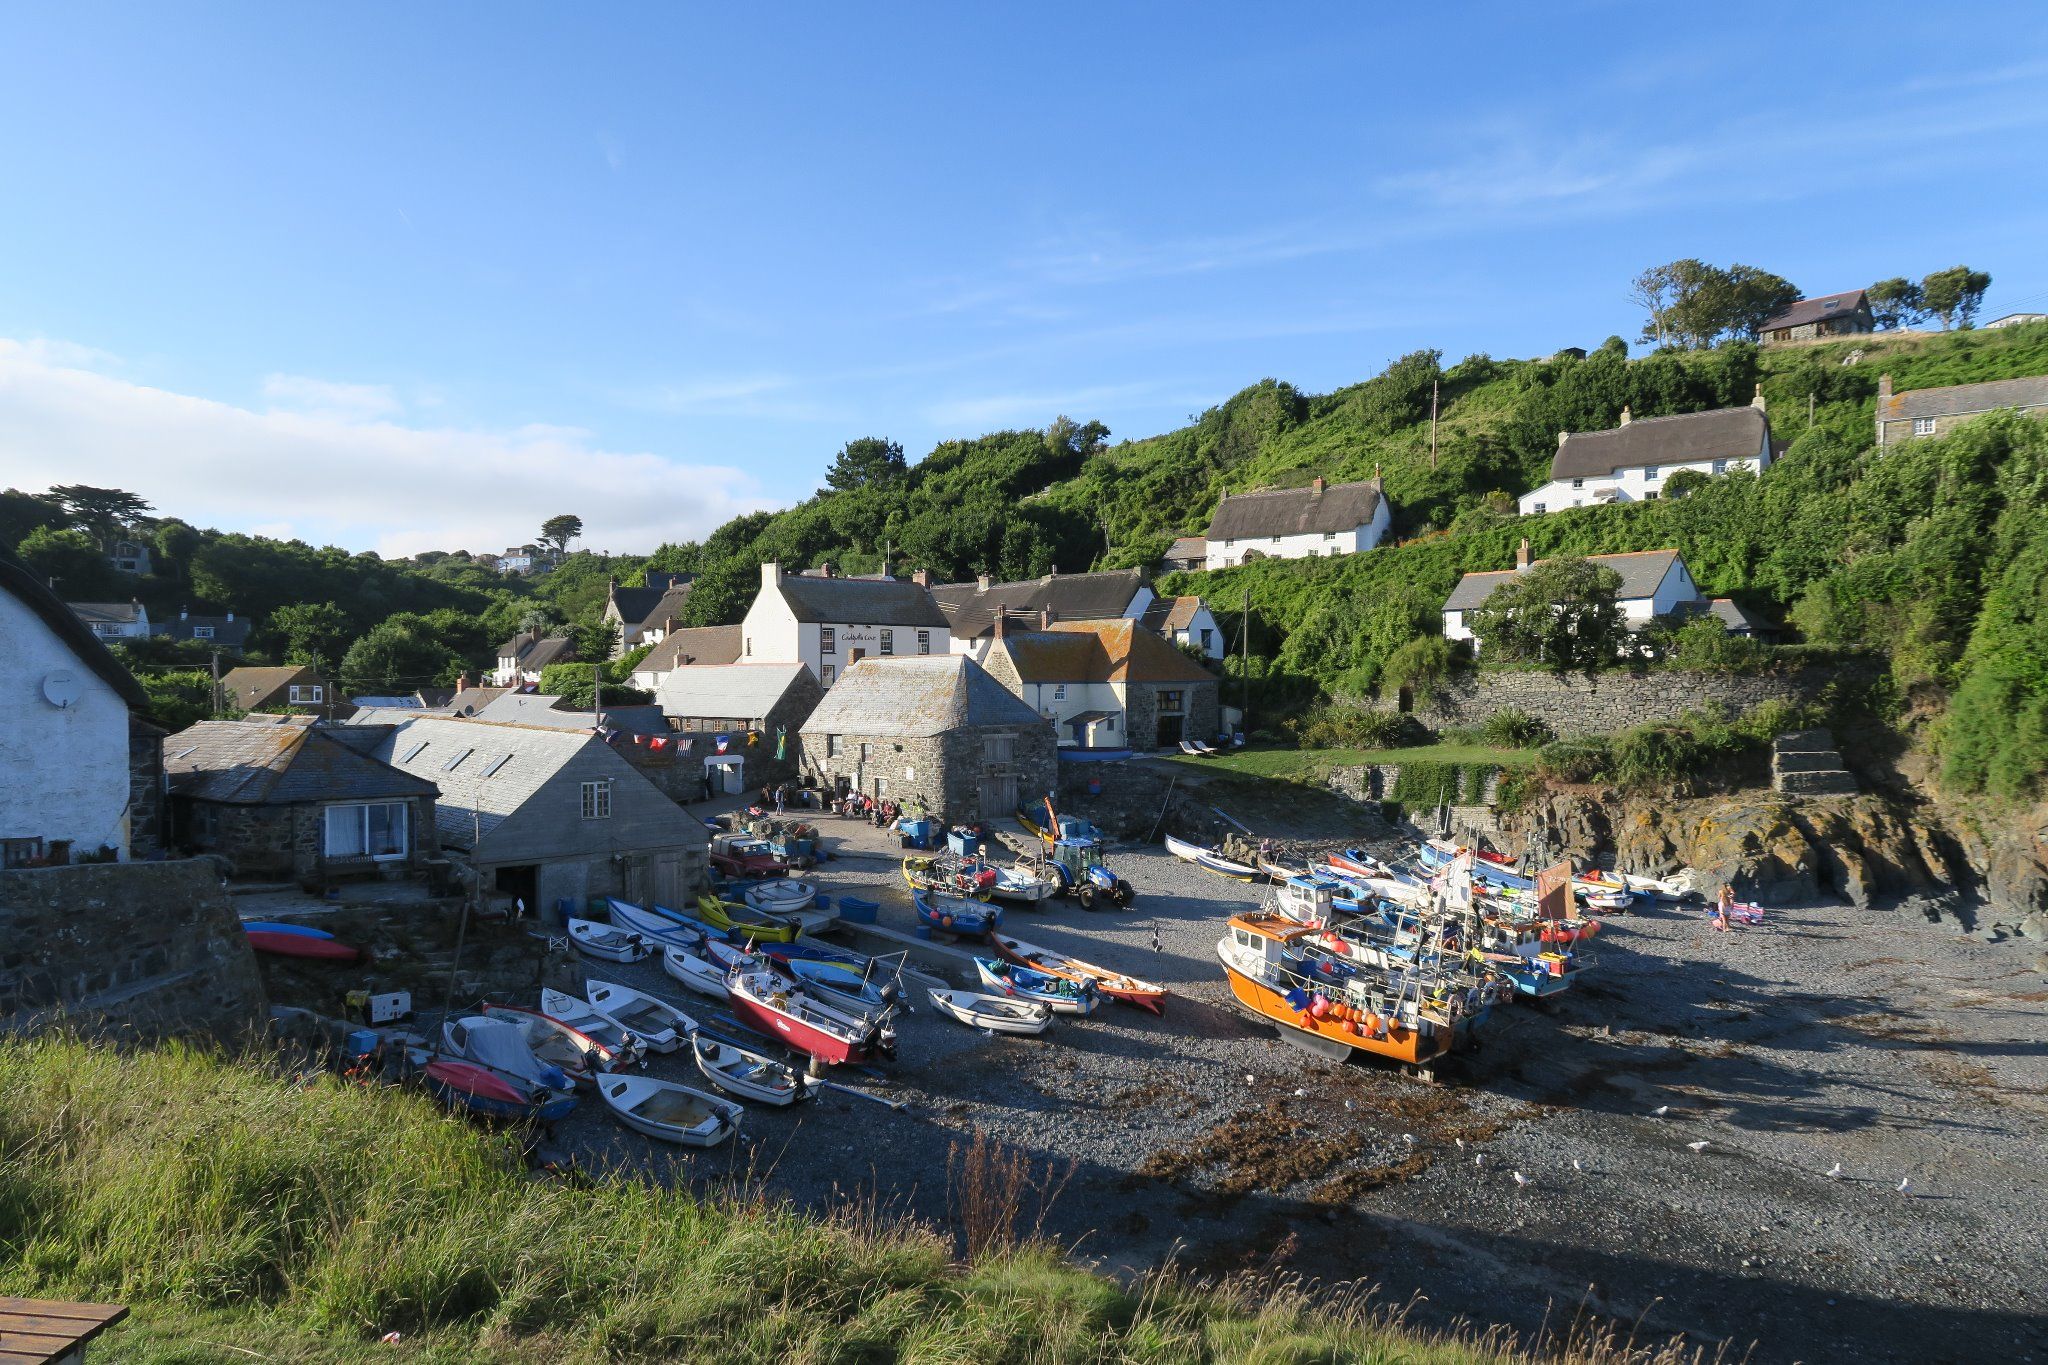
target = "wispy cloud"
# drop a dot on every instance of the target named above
(385, 485)
(305, 394)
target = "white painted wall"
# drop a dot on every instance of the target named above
(1631, 484)
(63, 773)
(771, 634)
(1674, 589)
(1045, 699)
(1224, 554)
(1192, 633)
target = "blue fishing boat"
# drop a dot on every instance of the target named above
(1057, 993)
(264, 926)
(957, 915)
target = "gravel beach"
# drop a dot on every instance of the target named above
(1897, 1048)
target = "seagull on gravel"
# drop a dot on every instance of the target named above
(1661, 1110)
(1906, 1185)
(1835, 1171)
(1251, 1080)
(1479, 1159)
(1460, 1142)
(1408, 1138)
(1301, 1094)
(1578, 1165)
(1699, 1146)
(1521, 1179)
(1350, 1105)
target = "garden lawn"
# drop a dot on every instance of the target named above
(1310, 763)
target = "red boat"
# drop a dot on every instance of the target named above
(298, 945)
(461, 1085)
(1351, 863)
(768, 1003)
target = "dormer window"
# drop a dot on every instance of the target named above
(1650, 473)
(1578, 483)
(202, 632)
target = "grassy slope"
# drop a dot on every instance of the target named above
(305, 1220)
(1295, 763)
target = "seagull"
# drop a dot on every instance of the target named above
(1578, 1165)
(1835, 1172)
(1301, 1094)
(1906, 1185)
(1661, 1110)
(1479, 1159)
(1408, 1138)
(1521, 1179)
(1251, 1080)
(1699, 1146)
(1460, 1142)
(1349, 1105)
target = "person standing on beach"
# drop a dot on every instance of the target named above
(1722, 907)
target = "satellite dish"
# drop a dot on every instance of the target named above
(61, 688)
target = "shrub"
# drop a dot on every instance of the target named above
(1421, 666)
(1574, 760)
(1350, 727)
(1510, 728)
(1704, 644)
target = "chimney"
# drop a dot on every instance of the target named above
(183, 614)
(1758, 401)
(981, 582)
(1522, 555)
(1625, 415)
(923, 578)
(612, 587)
(1561, 439)
(462, 682)
(1884, 388)
(1316, 486)
(771, 574)
(1046, 616)
(231, 616)
(826, 568)
(1002, 624)
(1053, 571)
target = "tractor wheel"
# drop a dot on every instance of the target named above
(1123, 895)
(1086, 895)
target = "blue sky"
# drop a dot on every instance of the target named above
(403, 277)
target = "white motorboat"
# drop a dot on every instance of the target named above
(580, 1015)
(650, 1018)
(782, 896)
(1210, 859)
(996, 1013)
(608, 942)
(670, 1112)
(702, 976)
(748, 1074)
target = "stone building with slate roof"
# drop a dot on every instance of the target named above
(937, 734)
(759, 709)
(1185, 621)
(521, 658)
(295, 803)
(114, 620)
(829, 623)
(1186, 552)
(1936, 412)
(287, 687)
(1827, 316)
(230, 632)
(1653, 583)
(645, 616)
(1632, 462)
(972, 609)
(1108, 685)
(550, 816)
(1319, 518)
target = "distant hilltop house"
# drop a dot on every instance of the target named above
(1187, 553)
(1827, 316)
(690, 647)
(288, 687)
(519, 559)
(1935, 412)
(1108, 684)
(1653, 583)
(521, 658)
(1631, 462)
(1320, 518)
(829, 623)
(114, 620)
(645, 616)
(228, 632)
(2017, 320)
(129, 556)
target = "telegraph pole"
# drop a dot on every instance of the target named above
(216, 685)
(1432, 422)
(1244, 666)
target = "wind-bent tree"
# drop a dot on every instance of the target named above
(868, 461)
(1895, 302)
(103, 511)
(1559, 613)
(559, 531)
(1954, 295)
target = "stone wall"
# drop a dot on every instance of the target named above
(1374, 782)
(286, 843)
(939, 774)
(1615, 700)
(146, 830)
(143, 948)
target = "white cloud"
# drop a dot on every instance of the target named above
(304, 394)
(339, 477)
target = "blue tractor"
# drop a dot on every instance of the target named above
(1077, 862)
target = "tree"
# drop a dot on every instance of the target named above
(179, 699)
(1954, 295)
(1654, 291)
(22, 512)
(1069, 437)
(314, 633)
(1560, 613)
(1895, 302)
(396, 656)
(1695, 304)
(864, 463)
(1748, 297)
(103, 511)
(175, 542)
(73, 559)
(576, 685)
(559, 531)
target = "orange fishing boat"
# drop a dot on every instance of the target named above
(1377, 1014)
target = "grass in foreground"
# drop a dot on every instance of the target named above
(244, 1215)
(1295, 763)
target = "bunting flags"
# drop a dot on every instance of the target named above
(639, 740)
(722, 741)
(781, 741)
(658, 742)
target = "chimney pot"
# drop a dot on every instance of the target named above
(1625, 417)
(981, 582)
(1318, 486)
(1561, 438)
(1522, 555)
(1884, 387)
(1002, 625)
(922, 577)
(1758, 401)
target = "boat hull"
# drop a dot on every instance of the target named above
(1400, 1045)
(812, 1042)
(1111, 985)
(278, 944)
(969, 919)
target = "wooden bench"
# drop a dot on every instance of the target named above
(42, 1332)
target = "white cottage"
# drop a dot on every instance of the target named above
(830, 623)
(1297, 523)
(1653, 583)
(1632, 462)
(65, 706)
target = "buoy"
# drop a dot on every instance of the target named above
(1321, 1007)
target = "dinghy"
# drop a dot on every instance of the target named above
(500, 1047)
(1146, 995)
(768, 1003)
(741, 920)
(279, 944)
(1023, 885)
(606, 942)
(577, 1053)
(1056, 993)
(660, 926)
(1209, 858)
(839, 985)
(996, 1013)
(785, 897)
(477, 1089)
(670, 1112)
(747, 1074)
(653, 1020)
(700, 975)
(969, 919)
(265, 926)
(580, 1015)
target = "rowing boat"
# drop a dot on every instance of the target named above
(607, 942)
(749, 1075)
(670, 1112)
(1147, 995)
(650, 1018)
(1209, 858)
(996, 1013)
(1060, 994)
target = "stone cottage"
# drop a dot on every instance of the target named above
(1108, 684)
(738, 724)
(936, 733)
(1938, 411)
(296, 803)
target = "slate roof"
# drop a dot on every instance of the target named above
(237, 763)
(1295, 511)
(112, 613)
(1722, 434)
(28, 587)
(971, 609)
(534, 652)
(1731, 615)
(1640, 572)
(915, 697)
(232, 633)
(1168, 614)
(1954, 400)
(1188, 547)
(700, 644)
(424, 745)
(251, 687)
(860, 601)
(469, 700)
(538, 708)
(727, 692)
(651, 606)
(1817, 310)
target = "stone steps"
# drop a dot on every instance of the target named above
(1806, 763)
(1835, 783)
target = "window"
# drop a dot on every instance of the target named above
(414, 752)
(888, 640)
(831, 746)
(826, 674)
(452, 764)
(1108, 723)
(1541, 508)
(20, 852)
(202, 632)
(1227, 543)
(998, 748)
(924, 642)
(1276, 540)
(828, 640)
(500, 761)
(373, 830)
(1720, 466)
(1059, 692)
(1650, 473)
(1172, 703)
(597, 799)
(750, 646)
(1578, 483)
(304, 695)
(1329, 535)
(1923, 426)
(1650, 495)
(1205, 640)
